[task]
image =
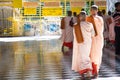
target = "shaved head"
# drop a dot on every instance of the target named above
(94, 10)
(82, 16)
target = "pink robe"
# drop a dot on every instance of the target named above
(97, 45)
(111, 30)
(81, 51)
(67, 33)
(106, 27)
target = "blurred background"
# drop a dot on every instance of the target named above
(41, 17)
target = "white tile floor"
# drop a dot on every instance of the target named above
(40, 58)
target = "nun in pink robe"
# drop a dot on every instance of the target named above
(111, 29)
(109, 26)
(81, 61)
(98, 40)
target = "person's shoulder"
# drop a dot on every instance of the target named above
(88, 17)
(99, 16)
(65, 17)
(88, 23)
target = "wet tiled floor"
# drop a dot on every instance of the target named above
(43, 60)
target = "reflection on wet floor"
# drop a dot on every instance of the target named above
(43, 60)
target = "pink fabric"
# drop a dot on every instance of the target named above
(81, 51)
(97, 43)
(109, 27)
(111, 31)
(67, 33)
(106, 27)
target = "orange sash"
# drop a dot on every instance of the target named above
(78, 33)
(91, 20)
(62, 23)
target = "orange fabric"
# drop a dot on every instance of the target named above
(84, 71)
(62, 23)
(109, 20)
(78, 33)
(94, 71)
(68, 44)
(91, 20)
